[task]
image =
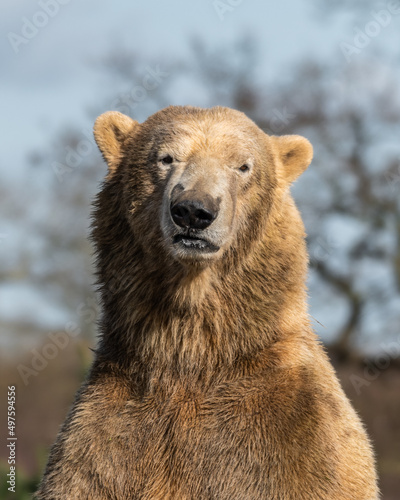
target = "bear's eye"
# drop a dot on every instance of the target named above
(244, 168)
(167, 160)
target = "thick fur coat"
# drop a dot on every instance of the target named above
(208, 381)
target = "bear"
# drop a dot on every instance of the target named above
(208, 381)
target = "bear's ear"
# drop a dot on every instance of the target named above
(110, 131)
(294, 153)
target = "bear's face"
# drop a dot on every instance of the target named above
(198, 181)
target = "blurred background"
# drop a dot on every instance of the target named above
(328, 71)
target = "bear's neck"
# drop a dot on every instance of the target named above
(160, 315)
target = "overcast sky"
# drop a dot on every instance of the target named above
(49, 79)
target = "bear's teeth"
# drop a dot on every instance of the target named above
(193, 243)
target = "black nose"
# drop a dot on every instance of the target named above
(192, 214)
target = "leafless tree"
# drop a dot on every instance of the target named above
(349, 197)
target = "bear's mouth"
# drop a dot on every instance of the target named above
(194, 243)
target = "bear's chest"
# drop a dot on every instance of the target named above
(187, 443)
(243, 439)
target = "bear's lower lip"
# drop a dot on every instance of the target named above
(193, 243)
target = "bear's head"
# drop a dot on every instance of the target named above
(197, 183)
